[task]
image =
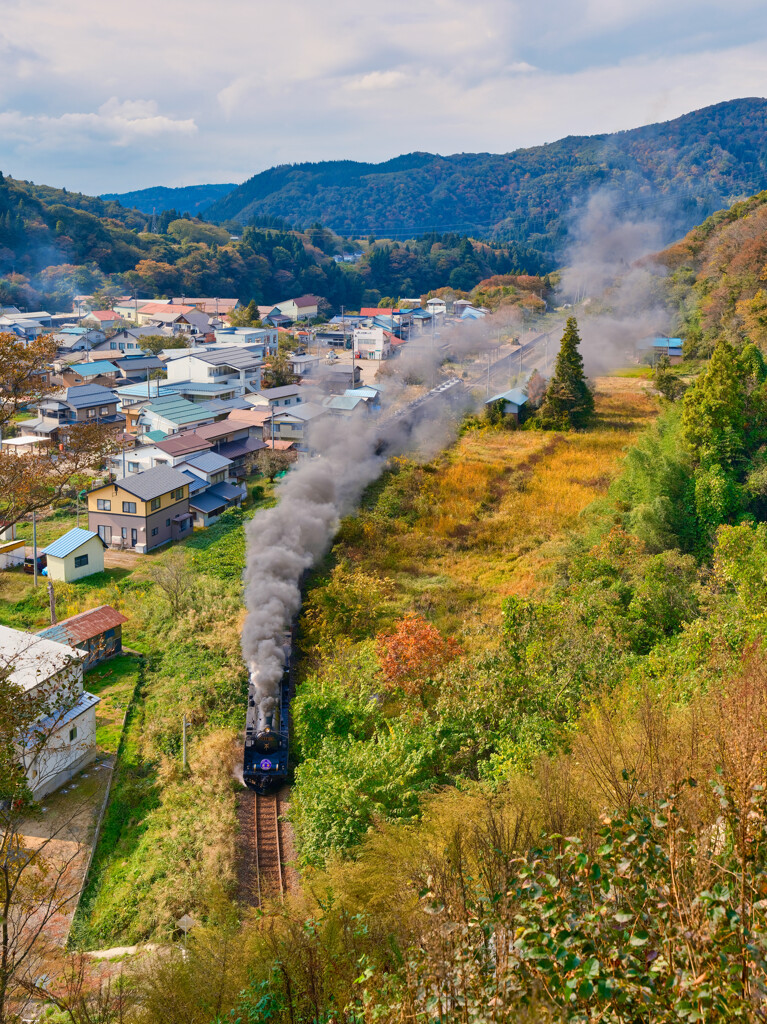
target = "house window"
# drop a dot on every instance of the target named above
(133, 467)
(124, 533)
(91, 413)
(113, 344)
(73, 733)
(105, 532)
(129, 506)
(104, 410)
(183, 524)
(167, 522)
(80, 561)
(155, 531)
(155, 503)
(122, 346)
(178, 494)
(103, 504)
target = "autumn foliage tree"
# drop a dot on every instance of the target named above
(413, 652)
(30, 482)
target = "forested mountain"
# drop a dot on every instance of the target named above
(686, 169)
(718, 278)
(191, 199)
(54, 244)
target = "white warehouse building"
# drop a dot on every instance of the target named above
(63, 739)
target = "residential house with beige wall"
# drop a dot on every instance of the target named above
(141, 511)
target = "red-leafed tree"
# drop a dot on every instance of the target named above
(413, 652)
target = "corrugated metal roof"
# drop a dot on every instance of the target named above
(209, 462)
(85, 626)
(152, 483)
(244, 446)
(514, 395)
(69, 542)
(196, 483)
(207, 502)
(95, 369)
(227, 491)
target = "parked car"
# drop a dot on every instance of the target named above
(42, 562)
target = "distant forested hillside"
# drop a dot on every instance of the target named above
(683, 169)
(717, 278)
(191, 199)
(54, 244)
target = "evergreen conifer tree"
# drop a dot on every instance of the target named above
(568, 401)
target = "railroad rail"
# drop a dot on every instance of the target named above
(270, 875)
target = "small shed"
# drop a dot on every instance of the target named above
(97, 633)
(513, 401)
(76, 554)
(669, 347)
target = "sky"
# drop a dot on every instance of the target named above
(112, 97)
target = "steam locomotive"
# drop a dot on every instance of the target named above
(267, 724)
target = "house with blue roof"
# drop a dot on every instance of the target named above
(669, 347)
(100, 371)
(513, 401)
(74, 555)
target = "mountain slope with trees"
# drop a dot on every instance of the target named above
(55, 244)
(684, 169)
(717, 278)
(192, 199)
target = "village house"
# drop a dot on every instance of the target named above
(86, 403)
(211, 306)
(141, 511)
(304, 307)
(102, 319)
(303, 364)
(276, 398)
(149, 311)
(265, 338)
(293, 424)
(77, 339)
(237, 367)
(63, 740)
(336, 379)
(74, 555)
(101, 371)
(372, 343)
(127, 341)
(97, 634)
(169, 413)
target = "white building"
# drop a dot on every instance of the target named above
(372, 343)
(238, 366)
(63, 739)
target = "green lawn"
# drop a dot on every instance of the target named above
(114, 682)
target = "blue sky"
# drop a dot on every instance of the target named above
(113, 97)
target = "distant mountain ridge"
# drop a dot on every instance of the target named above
(687, 168)
(192, 199)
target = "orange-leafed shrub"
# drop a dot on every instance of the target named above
(413, 652)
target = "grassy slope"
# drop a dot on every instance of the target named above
(489, 518)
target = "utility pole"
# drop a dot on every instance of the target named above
(34, 549)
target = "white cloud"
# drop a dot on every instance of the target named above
(182, 92)
(376, 80)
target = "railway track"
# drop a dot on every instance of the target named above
(269, 861)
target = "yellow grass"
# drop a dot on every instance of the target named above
(496, 510)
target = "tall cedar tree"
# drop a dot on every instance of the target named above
(568, 401)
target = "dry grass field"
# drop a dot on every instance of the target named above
(493, 512)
